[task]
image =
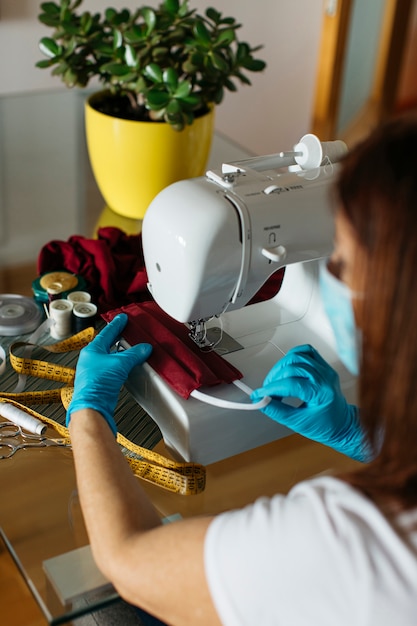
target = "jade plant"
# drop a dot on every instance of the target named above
(167, 63)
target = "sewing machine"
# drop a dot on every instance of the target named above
(210, 243)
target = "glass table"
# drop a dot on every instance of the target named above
(40, 517)
(42, 153)
(42, 525)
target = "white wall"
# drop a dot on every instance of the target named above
(268, 117)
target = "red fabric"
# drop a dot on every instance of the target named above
(112, 265)
(270, 288)
(175, 357)
(114, 268)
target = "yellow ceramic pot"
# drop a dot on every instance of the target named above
(132, 161)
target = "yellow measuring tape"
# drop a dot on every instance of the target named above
(182, 478)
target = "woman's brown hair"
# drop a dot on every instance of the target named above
(377, 191)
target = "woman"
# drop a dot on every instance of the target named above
(335, 550)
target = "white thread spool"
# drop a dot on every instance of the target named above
(60, 312)
(314, 152)
(13, 414)
(54, 291)
(79, 296)
(334, 150)
(84, 316)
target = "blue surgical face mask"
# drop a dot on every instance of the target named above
(337, 300)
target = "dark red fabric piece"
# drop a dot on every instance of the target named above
(112, 265)
(114, 269)
(270, 288)
(175, 357)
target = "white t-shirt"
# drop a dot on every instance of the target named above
(324, 555)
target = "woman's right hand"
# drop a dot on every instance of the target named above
(322, 412)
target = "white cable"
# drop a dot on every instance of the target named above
(228, 404)
(244, 387)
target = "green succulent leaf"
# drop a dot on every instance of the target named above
(117, 39)
(183, 11)
(110, 14)
(49, 47)
(201, 33)
(122, 17)
(86, 22)
(150, 19)
(160, 53)
(135, 34)
(153, 72)
(70, 78)
(219, 62)
(170, 78)
(125, 79)
(117, 69)
(230, 85)
(157, 99)
(49, 20)
(189, 67)
(168, 57)
(65, 15)
(230, 21)
(173, 107)
(130, 56)
(192, 101)
(140, 85)
(60, 69)
(51, 8)
(70, 29)
(72, 44)
(183, 90)
(176, 120)
(176, 35)
(218, 95)
(172, 6)
(243, 52)
(225, 37)
(44, 64)
(104, 49)
(213, 15)
(244, 79)
(254, 65)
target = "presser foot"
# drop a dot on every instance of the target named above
(213, 338)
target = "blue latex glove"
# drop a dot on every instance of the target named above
(324, 414)
(100, 373)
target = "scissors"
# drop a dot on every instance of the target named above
(13, 439)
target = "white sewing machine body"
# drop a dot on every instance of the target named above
(210, 243)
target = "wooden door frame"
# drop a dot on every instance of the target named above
(335, 29)
(397, 20)
(331, 61)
